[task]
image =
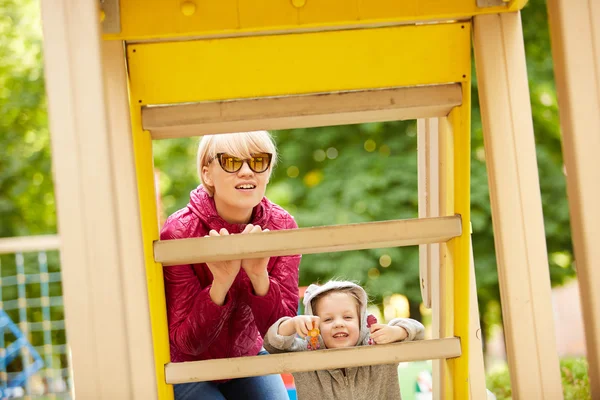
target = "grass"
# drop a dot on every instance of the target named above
(574, 374)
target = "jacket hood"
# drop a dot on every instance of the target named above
(314, 290)
(203, 205)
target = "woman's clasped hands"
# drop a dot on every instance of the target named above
(225, 272)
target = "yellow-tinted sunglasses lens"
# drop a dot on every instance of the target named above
(260, 162)
(230, 163)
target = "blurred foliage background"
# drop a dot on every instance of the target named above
(326, 176)
(368, 172)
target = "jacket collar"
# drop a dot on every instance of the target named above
(203, 205)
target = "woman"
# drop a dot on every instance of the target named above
(223, 309)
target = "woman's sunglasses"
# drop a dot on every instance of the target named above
(258, 162)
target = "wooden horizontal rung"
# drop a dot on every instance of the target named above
(301, 111)
(24, 244)
(230, 368)
(322, 239)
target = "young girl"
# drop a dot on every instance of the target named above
(339, 310)
(223, 309)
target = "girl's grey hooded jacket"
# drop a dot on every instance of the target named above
(357, 383)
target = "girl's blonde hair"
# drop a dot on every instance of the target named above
(349, 291)
(241, 145)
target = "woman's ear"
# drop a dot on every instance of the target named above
(206, 176)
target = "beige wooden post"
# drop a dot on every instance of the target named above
(106, 313)
(429, 200)
(516, 207)
(138, 335)
(429, 254)
(442, 282)
(575, 32)
(476, 364)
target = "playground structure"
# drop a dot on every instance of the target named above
(33, 351)
(171, 69)
(20, 345)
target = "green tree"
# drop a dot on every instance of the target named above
(368, 172)
(327, 175)
(26, 190)
(350, 174)
(550, 165)
(26, 187)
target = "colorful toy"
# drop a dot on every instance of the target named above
(313, 338)
(371, 320)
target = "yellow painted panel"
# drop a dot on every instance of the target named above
(142, 147)
(153, 19)
(460, 118)
(219, 69)
(159, 18)
(255, 14)
(207, 15)
(383, 9)
(326, 11)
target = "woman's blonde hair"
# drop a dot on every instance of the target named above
(241, 145)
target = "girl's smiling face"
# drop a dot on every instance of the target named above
(340, 323)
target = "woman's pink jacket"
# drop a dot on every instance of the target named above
(198, 328)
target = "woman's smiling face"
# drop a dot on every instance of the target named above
(235, 169)
(236, 193)
(340, 322)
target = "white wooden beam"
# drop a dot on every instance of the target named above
(322, 109)
(64, 71)
(23, 244)
(429, 200)
(229, 368)
(516, 207)
(476, 364)
(321, 239)
(575, 32)
(138, 334)
(98, 257)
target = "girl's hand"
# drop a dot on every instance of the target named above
(224, 273)
(300, 324)
(382, 334)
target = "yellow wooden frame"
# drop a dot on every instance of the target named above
(161, 20)
(459, 248)
(144, 165)
(287, 49)
(177, 73)
(285, 65)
